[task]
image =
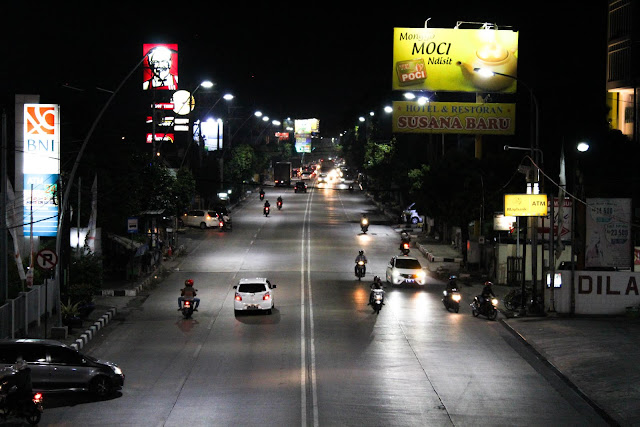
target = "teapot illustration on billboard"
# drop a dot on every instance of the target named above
(490, 57)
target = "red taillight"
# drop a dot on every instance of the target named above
(37, 398)
(187, 304)
(238, 297)
(266, 297)
(221, 224)
(406, 246)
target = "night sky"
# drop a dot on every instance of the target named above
(332, 63)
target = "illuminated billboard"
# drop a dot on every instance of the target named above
(439, 59)
(307, 126)
(303, 144)
(454, 117)
(160, 70)
(41, 168)
(212, 132)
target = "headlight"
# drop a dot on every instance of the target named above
(494, 301)
(421, 275)
(365, 222)
(456, 297)
(117, 370)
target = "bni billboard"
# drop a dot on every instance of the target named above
(41, 168)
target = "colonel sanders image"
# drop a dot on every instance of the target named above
(160, 62)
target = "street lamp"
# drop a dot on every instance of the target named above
(534, 148)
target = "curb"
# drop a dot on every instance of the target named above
(88, 334)
(433, 258)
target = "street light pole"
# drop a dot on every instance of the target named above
(65, 197)
(534, 148)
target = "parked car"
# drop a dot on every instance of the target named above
(410, 215)
(200, 218)
(56, 367)
(253, 294)
(405, 269)
(300, 187)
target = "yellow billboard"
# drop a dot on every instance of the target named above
(525, 205)
(454, 117)
(442, 59)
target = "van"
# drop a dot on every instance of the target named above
(56, 367)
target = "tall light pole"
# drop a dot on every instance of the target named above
(65, 197)
(535, 149)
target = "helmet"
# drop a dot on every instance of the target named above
(20, 364)
(453, 277)
(188, 282)
(488, 283)
(376, 279)
(361, 252)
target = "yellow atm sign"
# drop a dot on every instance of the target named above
(525, 205)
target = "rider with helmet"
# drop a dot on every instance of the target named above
(487, 292)
(377, 284)
(188, 292)
(359, 258)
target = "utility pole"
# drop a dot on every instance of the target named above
(4, 277)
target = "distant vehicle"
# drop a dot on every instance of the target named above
(300, 187)
(253, 294)
(305, 175)
(282, 174)
(405, 269)
(200, 218)
(323, 178)
(56, 367)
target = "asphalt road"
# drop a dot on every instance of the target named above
(322, 357)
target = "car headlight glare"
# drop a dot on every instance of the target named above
(117, 370)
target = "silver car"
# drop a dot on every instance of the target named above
(56, 367)
(200, 218)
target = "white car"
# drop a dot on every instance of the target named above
(405, 269)
(253, 294)
(200, 218)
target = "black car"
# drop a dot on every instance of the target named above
(300, 187)
(56, 367)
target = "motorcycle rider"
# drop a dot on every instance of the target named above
(359, 258)
(487, 292)
(20, 377)
(377, 284)
(279, 200)
(188, 292)
(261, 193)
(404, 237)
(451, 284)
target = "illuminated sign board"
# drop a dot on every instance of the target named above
(307, 126)
(212, 132)
(303, 144)
(454, 117)
(440, 59)
(160, 68)
(160, 137)
(525, 205)
(41, 168)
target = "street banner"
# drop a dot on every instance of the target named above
(608, 239)
(443, 59)
(454, 117)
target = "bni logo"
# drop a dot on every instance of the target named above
(40, 120)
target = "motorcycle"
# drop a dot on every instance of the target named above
(224, 224)
(404, 247)
(360, 269)
(187, 308)
(266, 211)
(377, 300)
(261, 195)
(31, 411)
(279, 204)
(364, 224)
(488, 308)
(451, 299)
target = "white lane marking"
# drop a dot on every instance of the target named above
(307, 370)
